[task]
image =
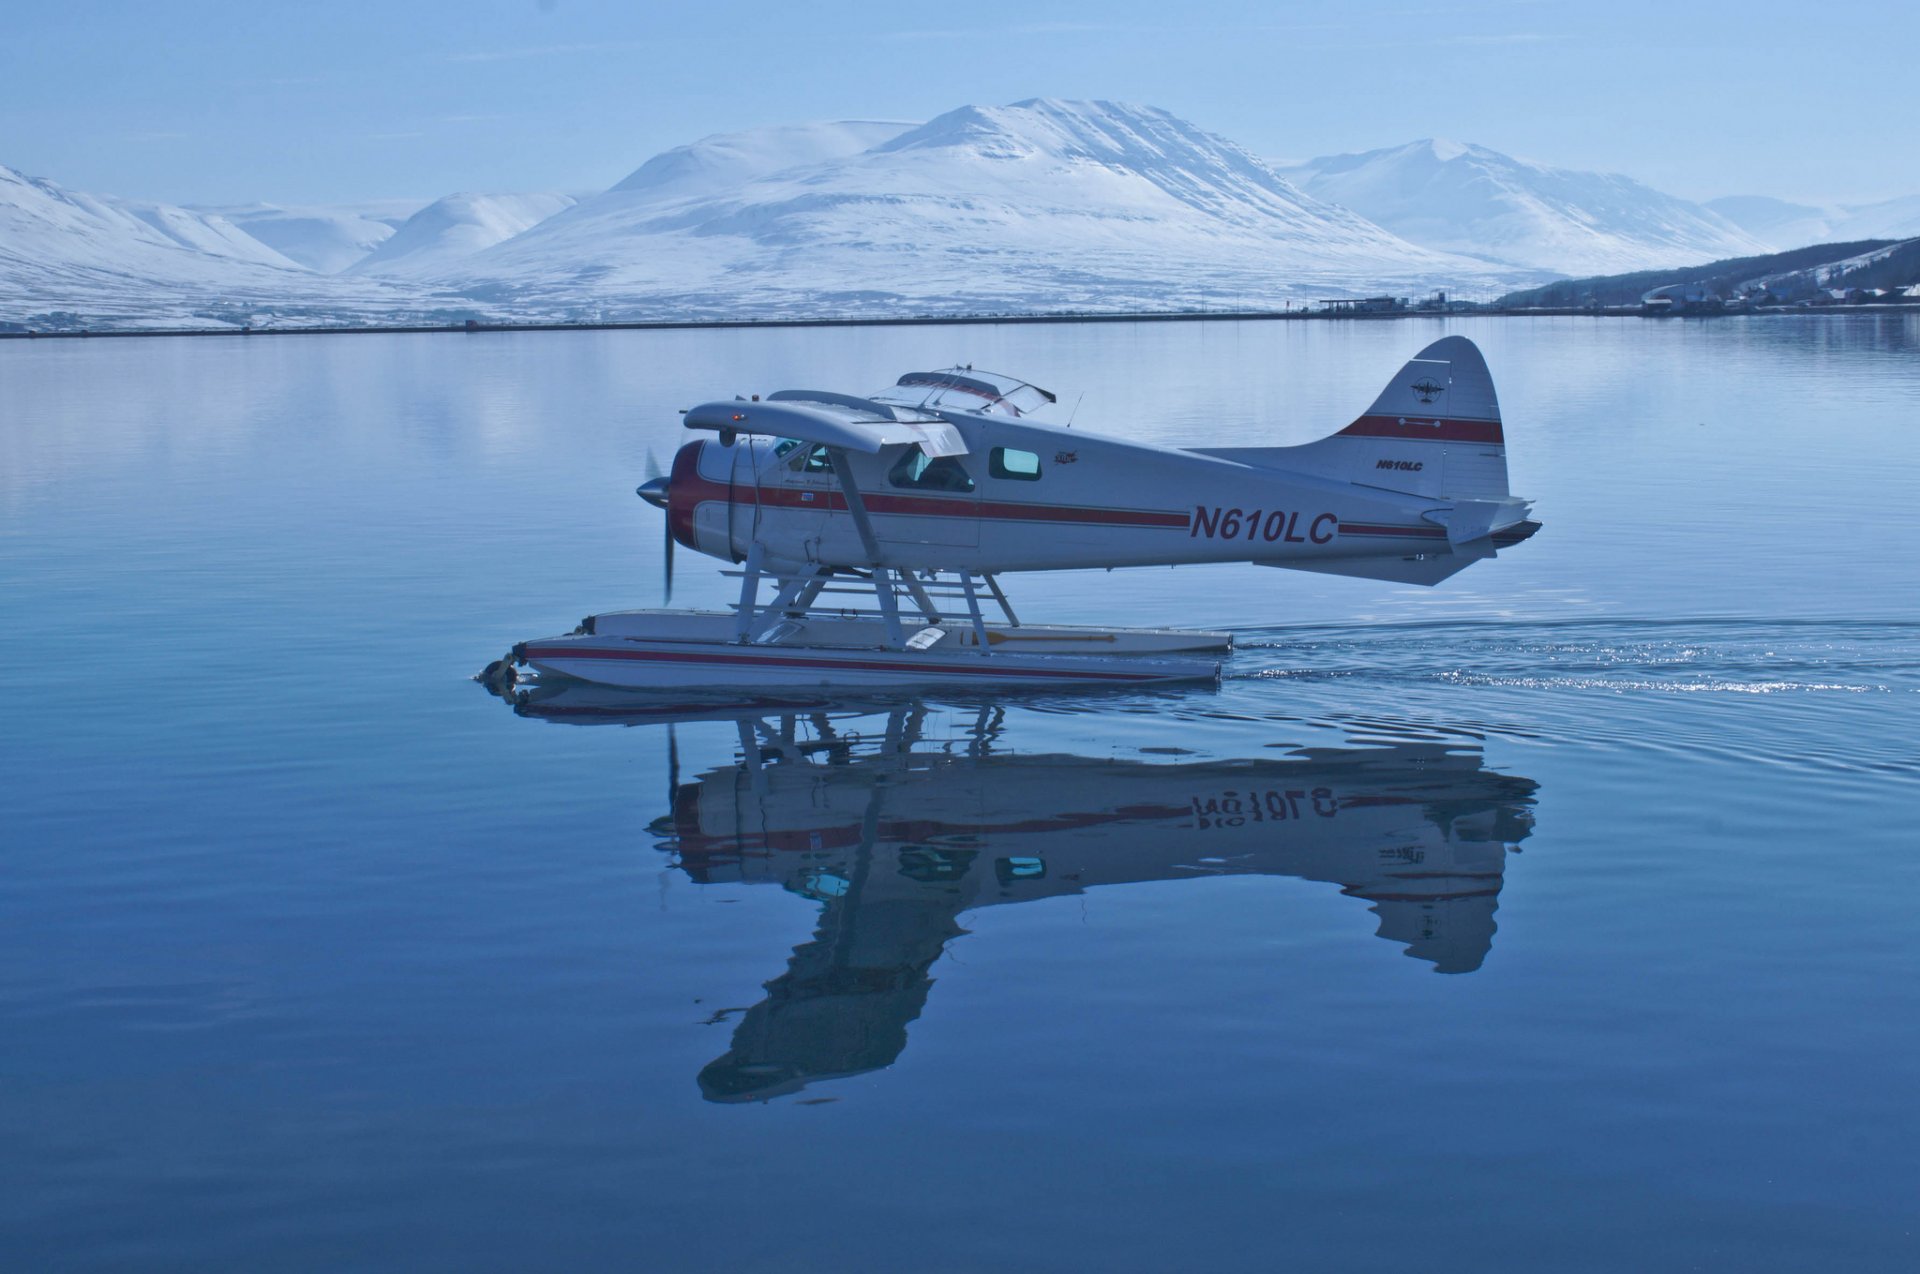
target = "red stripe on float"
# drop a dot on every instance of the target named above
(788, 661)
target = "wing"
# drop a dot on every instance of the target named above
(834, 420)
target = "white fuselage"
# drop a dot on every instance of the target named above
(1095, 502)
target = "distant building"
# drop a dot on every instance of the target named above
(1682, 298)
(1362, 304)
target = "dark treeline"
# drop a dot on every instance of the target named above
(1725, 278)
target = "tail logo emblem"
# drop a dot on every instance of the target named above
(1426, 389)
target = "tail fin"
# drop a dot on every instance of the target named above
(1433, 431)
(1438, 412)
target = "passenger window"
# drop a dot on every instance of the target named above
(932, 866)
(922, 472)
(1010, 462)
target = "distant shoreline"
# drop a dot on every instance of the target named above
(945, 320)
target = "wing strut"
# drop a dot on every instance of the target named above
(883, 588)
(855, 504)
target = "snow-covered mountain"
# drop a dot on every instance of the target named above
(447, 231)
(1778, 222)
(1469, 199)
(1040, 205)
(327, 238)
(73, 259)
(40, 219)
(1788, 225)
(727, 161)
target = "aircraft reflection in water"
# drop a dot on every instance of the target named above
(895, 835)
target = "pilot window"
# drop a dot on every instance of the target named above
(815, 460)
(1012, 869)
(922, 472)
(1010, 462)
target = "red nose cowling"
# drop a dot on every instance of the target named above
(683, 493)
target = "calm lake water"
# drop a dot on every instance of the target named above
(1562, 917)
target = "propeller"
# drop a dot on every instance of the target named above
(664, 826)
(673, 765)
(654, 492)
(666, 570)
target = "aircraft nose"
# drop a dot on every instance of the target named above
(653, 491)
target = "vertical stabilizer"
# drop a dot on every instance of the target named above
(1434, 431)
(1439, 413)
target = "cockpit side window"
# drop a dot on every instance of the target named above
(812, 460)
(921, 472)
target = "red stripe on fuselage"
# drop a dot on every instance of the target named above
(1398, 532)
(696, 489)
(1424, 429)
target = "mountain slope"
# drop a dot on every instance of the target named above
(1042, 204)
(1793, 225)
(40, 219)
(1466, 198)
(1891, 219)
(324, 238)
(727, 161)
(1777, 221)
(70, 259)
(447, 231)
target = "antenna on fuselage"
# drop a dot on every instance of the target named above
(1076, 408)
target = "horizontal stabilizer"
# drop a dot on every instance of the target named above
(1471, 520)
(1427, 569)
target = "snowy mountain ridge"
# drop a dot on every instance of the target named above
(70, 259)
(1786, 225)
(39, 217)
(726, 161)
(451, 229)
(1039, 205)
(1471, 199)
(326, 238)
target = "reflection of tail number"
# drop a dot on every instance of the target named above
(1237, 809)
(1217, 523)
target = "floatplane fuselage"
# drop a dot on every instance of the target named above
(924, 493)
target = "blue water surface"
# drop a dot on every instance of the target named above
(1561, 917)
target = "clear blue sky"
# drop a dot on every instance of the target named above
(228, 102)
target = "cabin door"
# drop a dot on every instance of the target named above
(918, 499)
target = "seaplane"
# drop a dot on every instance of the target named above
(869, 534)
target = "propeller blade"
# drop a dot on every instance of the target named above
(653, 466)
(666, 573)
(673, 765)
